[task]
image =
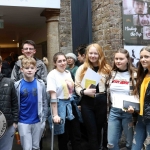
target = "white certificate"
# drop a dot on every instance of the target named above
(90, 77)
(117, 100)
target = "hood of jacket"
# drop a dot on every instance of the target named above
(1, 76)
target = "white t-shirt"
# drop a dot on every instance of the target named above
(56, 82)
(120, 84)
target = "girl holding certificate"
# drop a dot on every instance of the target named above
(122, 83)
(142, 129)
(94, 100)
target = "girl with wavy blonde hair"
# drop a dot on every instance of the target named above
(102, 63)
(94, 100)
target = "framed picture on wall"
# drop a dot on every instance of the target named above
(136, 22)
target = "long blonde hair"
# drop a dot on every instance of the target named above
(102, 63)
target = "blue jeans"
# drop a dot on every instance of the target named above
(142, 133)
(65, 112)
(6, 141)
(118, 121)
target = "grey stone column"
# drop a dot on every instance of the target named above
(52, 20)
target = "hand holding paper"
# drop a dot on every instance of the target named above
(130, 109)
(90, 77)
(119, 101)
(92, 86)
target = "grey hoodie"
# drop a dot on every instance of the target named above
(42, 99)
(41, 72)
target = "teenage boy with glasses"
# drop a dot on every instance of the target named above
(28, 50)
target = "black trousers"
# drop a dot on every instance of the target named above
(94, 113)
(72, 133)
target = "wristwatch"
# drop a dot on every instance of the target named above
(82, 92)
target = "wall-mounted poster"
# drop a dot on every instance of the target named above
(136, 22)
(134, 52)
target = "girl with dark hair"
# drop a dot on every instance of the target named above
(60, 86)
(142, 129)
(94, 100)
(122, 82)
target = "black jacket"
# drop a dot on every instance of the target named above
(8, 100)
(146, 113)
(6, 69)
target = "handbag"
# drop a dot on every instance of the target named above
(126, 105)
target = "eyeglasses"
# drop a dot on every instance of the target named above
(28, 49)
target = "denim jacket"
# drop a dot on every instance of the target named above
(74, 101)
(65, 112)
(42, 99)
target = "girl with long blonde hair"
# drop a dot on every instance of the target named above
(94, 100)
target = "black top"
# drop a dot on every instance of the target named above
(96, 70)
(122, 70)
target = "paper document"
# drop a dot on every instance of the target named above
(89, 82)
(90, 77)
(117, 100)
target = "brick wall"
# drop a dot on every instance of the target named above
(106, 26)
(65, 27)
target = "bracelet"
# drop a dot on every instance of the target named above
(82, 92)
(54, 100)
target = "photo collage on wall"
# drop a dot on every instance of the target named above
(136, 22)
(136, 26)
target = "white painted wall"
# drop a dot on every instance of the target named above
(32, 3)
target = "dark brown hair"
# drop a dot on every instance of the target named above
(55, 57)
(29, 42)
(81, 49)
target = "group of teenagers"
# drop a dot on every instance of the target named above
(34, 93)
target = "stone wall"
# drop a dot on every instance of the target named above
(107, 25)
(65, 27)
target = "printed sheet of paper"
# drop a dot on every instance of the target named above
(117, 100)
(90, 77)
(88, 82)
